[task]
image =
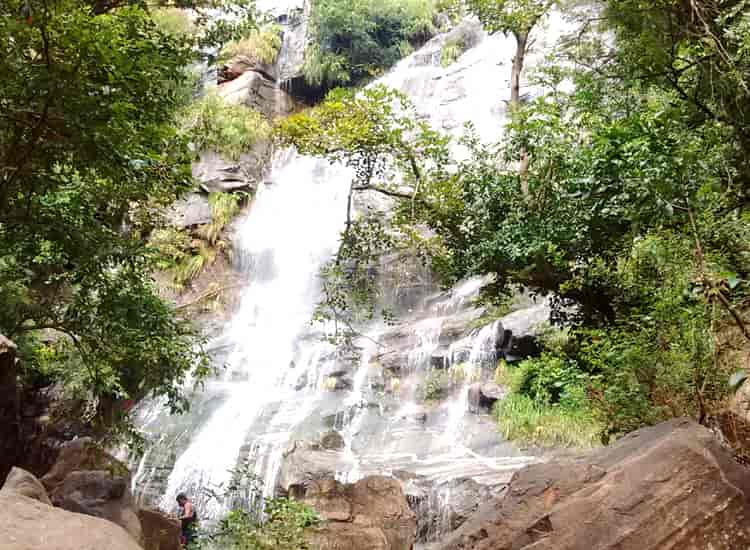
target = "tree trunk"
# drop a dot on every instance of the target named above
(522, 39)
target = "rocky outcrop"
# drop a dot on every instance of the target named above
(27, 524)
(482, 397)
(10, 440)
(667, 487)
(23, 483)
(214, 173)
(191, 211)
(258, 92)
(160, 532)
(305, 463)
(443, 507)
(371, 514)
(88, 480)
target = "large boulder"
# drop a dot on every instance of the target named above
(27, 524)
(671, 486)
(258, 92)
(371, 514)
(10, 440)
(160, 532)
(88, 480)
(305, 463)
(23, 483)
(483, 396)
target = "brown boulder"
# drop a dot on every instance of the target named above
(371, 514)
(23, 483)
(160, 532)
(88, 480)
(10, 440)
(671, 486)
(27, 524)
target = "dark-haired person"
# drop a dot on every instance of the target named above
(188, 519)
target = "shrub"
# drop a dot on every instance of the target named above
(355, 40)
(230, 129)
(284, 528)
(174, 21)
(260, 45)
(436, 385)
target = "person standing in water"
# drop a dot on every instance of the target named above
(188, 519)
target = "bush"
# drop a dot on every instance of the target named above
(230, 129)
(284, 528)
(436, 385)
(260, 45)
(355, 40)
(174, 21)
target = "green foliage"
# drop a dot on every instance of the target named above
(284, 528)
(509, 16)
(174, 21)
(436, 385)
(356, 40)
(522, 419)
(260, 45)
(186, 254)
(88, 154)
(451, 51)
(212, 123)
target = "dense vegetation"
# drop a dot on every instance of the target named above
(92, 147)
(623, 197)
(355, 40)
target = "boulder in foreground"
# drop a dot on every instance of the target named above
(669, 487)
(27, 524)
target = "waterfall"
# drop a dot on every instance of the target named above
(270, 389)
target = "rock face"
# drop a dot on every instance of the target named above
(160, 532)
(87, 480)
(27, 524)
(25, 484)
(217, 174)
(667, 487)
(371, 514)
(258, 92)
(10, 442)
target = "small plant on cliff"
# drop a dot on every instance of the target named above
(213, 123)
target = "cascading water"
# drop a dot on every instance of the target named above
(283, 382)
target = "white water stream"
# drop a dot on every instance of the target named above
(271, 391)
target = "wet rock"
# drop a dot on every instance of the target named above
(160, 532)
(521, 347)
(23, 483)
(215, 173)
(88, 480)
(483, 396)
(440, 358)
(669, 486)
(10, 434)
(371, 514)
(332, 441)
(304, 463)
(258, 92)
(27, 524)
(443, 507)
(191, 211)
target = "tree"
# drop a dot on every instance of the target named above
(89, 153)
(516, 17)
